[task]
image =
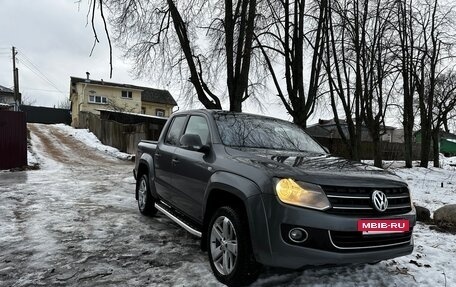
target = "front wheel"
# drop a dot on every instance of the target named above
(229, 248)
(145, 200)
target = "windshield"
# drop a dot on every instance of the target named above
(250, 131)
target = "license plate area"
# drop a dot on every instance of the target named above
(383, 226)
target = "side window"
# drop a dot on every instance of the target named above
(197, 125)
(172, 138)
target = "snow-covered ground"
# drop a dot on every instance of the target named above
(87, 137)
(431, 187)
(74, 222)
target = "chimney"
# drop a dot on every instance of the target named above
(88, 76)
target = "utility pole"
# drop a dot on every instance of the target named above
(17, 99)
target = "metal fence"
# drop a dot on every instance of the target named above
(13, 140)
(45, 115)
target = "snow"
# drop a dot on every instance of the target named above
(90, 139)
(74, 222)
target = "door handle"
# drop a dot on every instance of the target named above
(175, 161)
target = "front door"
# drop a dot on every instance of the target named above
(192, 169)
(163, 161)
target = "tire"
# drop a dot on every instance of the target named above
(229, 248)
(145, 200)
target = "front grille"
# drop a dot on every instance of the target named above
(356, 240)
(357, 201)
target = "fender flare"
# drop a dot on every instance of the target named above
(147, 160)
(250, 195)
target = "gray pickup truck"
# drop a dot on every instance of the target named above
(260, 191)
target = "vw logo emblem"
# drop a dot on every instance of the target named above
(379, 200)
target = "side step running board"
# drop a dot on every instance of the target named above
(174, 218)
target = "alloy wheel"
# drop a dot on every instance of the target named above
(223, 245)
(142, 194)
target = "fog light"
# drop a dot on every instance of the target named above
(298, 235)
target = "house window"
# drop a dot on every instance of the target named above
(98, 100)
(127, 94)
(159, 112)
(143, 110)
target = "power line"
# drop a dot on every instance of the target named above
(41, 77)
(43, 90)
(24, 57)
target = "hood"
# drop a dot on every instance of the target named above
(315, 168)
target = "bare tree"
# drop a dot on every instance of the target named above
(378, 71)
(360, 66)
(201, 40)
(285, 37)
(444, 105)
(64, 104)
(122, 107)
(361, 58)
(27, 100)
(434, 46)
(342, 60)
(406, 56)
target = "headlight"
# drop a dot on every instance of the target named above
(301, 194)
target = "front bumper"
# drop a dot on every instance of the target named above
(333, 239)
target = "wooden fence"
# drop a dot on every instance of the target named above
(124, 137)
(391, 151)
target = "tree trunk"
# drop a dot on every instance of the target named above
(425, 145)
(300, 120)
(236, 103)
(408, 152)
(378, 156)
(407, 68)
(436, 147)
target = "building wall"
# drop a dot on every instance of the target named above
(114, 101)
(7, 98)
(151, 108)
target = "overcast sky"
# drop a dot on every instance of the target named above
(54, 43)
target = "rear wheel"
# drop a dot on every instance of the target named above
(229, 248)
(145, 200)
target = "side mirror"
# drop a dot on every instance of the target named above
(193, 142)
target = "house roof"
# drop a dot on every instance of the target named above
(5, 90)
(147, 94)
(157, 96)
(446, 135)
(319, 131)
